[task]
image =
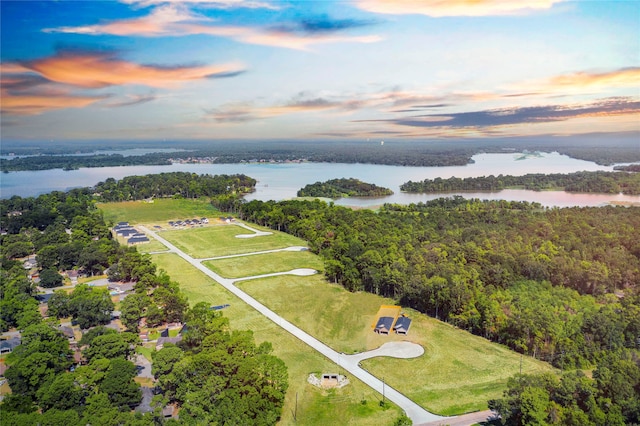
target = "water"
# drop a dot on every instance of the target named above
(280, 181)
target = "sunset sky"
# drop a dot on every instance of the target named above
(361, 69)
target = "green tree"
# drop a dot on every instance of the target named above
(63, 394)
(50, 278)
(118, 384)
(90, 306)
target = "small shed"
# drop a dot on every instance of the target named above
(384, 325)
(402, 325)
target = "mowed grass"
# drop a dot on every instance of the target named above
(266, 263)
(458, 373)
(220, 240)
(314, 406)
(158, 212)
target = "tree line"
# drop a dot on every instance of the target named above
(392, 152)
(339, 188)
(558, 284)
(182, 184)
(589, 182)
(73, 162)
(611, 398)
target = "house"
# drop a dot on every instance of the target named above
(402, 325)
(128, 232)
(43, 298)
(384, 325)
(73, 275)
(204, 220)
(67, 331)
(30, 263)
(137, 240)
(7, 346)
(122, 224)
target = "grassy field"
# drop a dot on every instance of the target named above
(158, 212)
(266, 263)
(314, 406)
(458, 373)
(220, 240)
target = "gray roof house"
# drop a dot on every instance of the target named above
(402, 325)
(7, 346)
(384, 325)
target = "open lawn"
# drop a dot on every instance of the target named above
(220, 240)
(458, 373)
(266, 263)
(158, 212)
(314, 406)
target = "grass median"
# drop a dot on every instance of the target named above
(266, 263)
(221, 240)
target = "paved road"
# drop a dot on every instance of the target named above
(465, 419)
(415, 412)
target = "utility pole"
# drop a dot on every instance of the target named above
(383, 391)
(521, 364)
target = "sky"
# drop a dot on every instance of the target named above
(310, 70)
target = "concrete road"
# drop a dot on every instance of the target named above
(415, 412)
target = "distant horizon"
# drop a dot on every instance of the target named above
(278, 70)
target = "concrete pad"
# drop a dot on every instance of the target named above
(303, 272)
(392, 349)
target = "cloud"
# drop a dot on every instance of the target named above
(520, 115)
(177, 20)
(132, 100)
(47, 84)
(323, 25)
(441, 8)
(234, 113)
(99, 69)
(40, 101)
(625, 77)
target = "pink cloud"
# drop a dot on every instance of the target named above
(96, 70)
(440, 8)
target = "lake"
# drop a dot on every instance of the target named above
(280, 181)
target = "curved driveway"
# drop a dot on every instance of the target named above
(415, 412)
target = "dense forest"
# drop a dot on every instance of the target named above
(611, 397)
(598, 182)
(338, 188)
(401, 153)
(184, 184)
(71, 162)
(549, 283)
(241, 384)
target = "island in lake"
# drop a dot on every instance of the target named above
(340, 188)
